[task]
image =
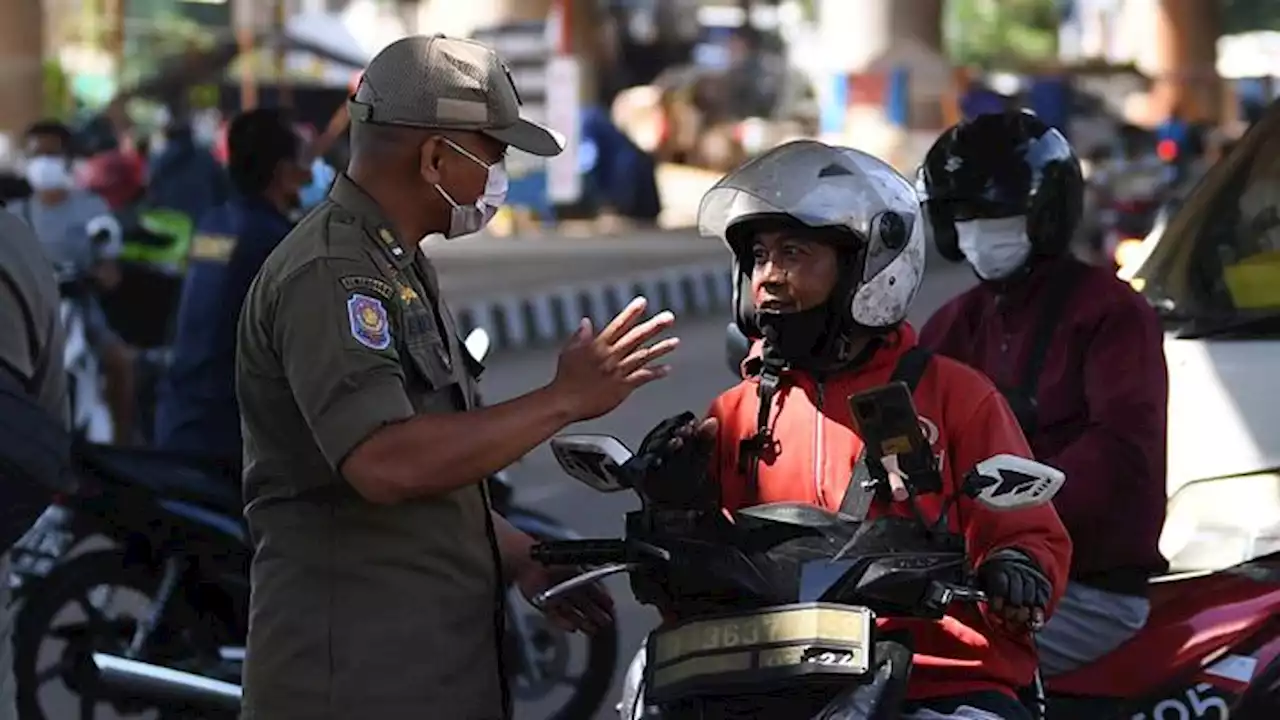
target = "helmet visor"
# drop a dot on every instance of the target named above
(808, 182)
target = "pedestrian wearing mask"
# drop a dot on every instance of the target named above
(80, 235)
(33, 407)
(379, 565)
(197, 413)
(1078, 354)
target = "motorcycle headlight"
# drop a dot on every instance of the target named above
(1213, 524)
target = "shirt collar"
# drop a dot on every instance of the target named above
(351, 197)
(260, 205)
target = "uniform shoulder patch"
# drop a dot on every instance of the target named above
(364, 283)
(368, 320)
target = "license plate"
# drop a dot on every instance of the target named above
(808, 638)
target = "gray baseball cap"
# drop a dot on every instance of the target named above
(448, 83)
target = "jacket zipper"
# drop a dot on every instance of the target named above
(818, 445)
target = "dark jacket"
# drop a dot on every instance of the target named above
(197, 411)
(1102, 402)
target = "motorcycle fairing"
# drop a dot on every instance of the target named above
(1195, 622)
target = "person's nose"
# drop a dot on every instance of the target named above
(770, 269)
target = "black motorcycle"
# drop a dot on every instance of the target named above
(776, 607)
(179, 545)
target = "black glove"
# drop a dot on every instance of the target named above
(1016, 588)
(671, 466)
(659, 442)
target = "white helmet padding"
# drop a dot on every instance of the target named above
(822, 186)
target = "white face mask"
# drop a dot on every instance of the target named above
(468, 219)
(995, 248)
(47, 172)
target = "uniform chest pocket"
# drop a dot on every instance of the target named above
(429, 355)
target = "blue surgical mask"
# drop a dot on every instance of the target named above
(322, 177)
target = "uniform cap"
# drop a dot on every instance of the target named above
(448, 83)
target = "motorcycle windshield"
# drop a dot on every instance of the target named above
(795, 549)
(793, 552)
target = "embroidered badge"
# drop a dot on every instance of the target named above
(212, 248)
(358, 283)
(369, 325)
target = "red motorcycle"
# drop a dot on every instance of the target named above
(1210, 649)
(1129, 201)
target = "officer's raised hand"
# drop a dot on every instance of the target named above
(597, 371)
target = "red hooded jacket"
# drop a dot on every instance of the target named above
(968, 421)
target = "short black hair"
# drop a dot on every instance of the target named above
(53, 128)
(257, 142)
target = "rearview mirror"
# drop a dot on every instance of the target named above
(477, 344)
(593, 460)
(1009, 482)
(736, 348)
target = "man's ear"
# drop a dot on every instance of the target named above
(431, 159)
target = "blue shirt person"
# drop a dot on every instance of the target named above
(197, 412)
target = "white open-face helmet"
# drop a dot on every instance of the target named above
(822, 186)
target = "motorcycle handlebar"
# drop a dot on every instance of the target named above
(962, 594)
(611, 556)
(580, 552)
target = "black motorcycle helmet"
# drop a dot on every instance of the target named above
(1003, 165)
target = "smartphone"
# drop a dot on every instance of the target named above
(886, 419)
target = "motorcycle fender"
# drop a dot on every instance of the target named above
(217, 522)
(539, 526)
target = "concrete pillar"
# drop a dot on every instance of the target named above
(1184, 58)
(21, 73)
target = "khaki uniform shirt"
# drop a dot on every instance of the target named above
(358, 610)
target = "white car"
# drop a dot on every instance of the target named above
(1214, 273)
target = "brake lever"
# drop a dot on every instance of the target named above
(540, 600)
(941, 595)
(639, 547)
(944, 595)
